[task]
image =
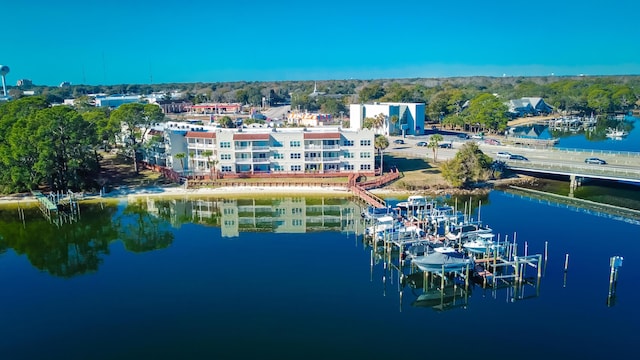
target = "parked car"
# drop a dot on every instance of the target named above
(492, 142)
(518, 157)
(503, 154)
(463, 136)
(595, 160)
(446, 145)
(421, 143)
(398, 141)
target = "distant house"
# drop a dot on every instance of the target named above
(528, 106)
(173, 106)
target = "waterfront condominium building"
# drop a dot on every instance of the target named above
(294, 151)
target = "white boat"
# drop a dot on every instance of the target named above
(401, 233)
(444, 258)
(444, 214)
(372, 213)
(466, 231)
(615, 133)
(415, 202)
(482, 243)
(383, 223)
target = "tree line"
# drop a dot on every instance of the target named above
(58, 146)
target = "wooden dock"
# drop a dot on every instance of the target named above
(58, 208)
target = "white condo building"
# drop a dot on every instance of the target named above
(410, 117)
(268, 150)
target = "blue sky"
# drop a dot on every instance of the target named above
(142, 42)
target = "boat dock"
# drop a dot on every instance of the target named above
(448, 285)
(58, 208)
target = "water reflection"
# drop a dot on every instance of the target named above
(61, 251)
(277, 215)
(146, 225)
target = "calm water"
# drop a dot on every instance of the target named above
(595, 139)
(290, 278)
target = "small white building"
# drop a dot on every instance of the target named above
(410, 117)
(113, 101)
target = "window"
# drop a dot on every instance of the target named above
(294, 143)
(365, 155)
(225, 156)
(295, 211)
(365, 142)
(225, 144)
(278, 156)
(278, 168)
(297, 222)
(226, 168)
(348, 143)
(365, 166)
(348, 166)
(295, 156)
(295, 168)
(348, 155)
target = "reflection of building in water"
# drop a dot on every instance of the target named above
(289, 215)
(278, 215)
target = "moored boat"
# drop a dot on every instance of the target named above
(443, 258)
(482, 243)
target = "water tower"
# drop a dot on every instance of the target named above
(4, 70)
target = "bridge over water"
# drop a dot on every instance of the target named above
(621, 166)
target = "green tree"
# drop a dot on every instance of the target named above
(192, 160)
(434, 144)
(599, 100)
(487, 112)
(18, 151)
(371, 92)
(468, 166)
(135, 121)
(210, 163)
(181, 156)
(227, 122)
(381, 143)
(66, 157)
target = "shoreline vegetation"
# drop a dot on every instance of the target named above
(123, 183)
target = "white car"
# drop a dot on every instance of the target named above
(503, 154)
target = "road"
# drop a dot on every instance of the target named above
(547, 160)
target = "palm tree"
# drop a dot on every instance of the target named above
(192, 158)
(181, 157)
(380, 143)
(394, 120)
(208, 154)
(433, 144)
(379, 121)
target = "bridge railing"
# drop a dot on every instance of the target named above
(589, 170)
(596, 152)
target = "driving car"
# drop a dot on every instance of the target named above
(421, 143)
(446, 145)
(518, 157)
(398, 141)
(595, 160)
(503, 154)
(463, 136)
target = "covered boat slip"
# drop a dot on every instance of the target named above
(497, 267)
